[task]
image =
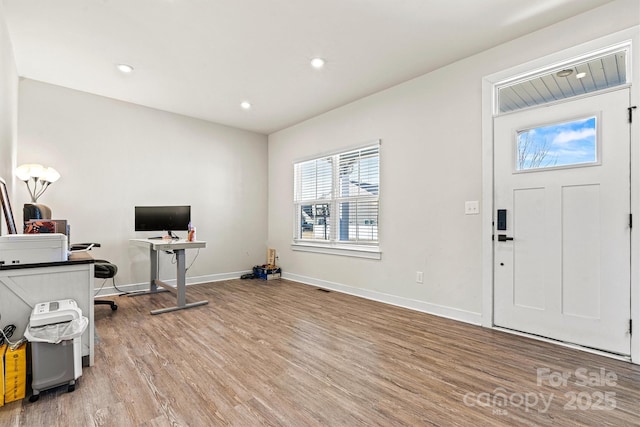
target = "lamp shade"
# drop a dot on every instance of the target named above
(30, 170)
(22, 172)
(50, 175)
(36, 170)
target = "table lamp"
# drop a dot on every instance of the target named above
(37, 174)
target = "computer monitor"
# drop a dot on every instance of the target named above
(162, 218)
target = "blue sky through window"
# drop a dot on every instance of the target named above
(556, 145)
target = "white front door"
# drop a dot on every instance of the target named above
(562, 183)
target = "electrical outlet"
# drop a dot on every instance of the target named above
(419, 277)
(471, 207)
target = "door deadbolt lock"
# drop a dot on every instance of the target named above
(503, 238)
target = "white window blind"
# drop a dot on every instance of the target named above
(336, 198)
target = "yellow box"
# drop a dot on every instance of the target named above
(3, 347)
(15, 367)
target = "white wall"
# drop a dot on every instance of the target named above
(431, 163)
(114, 155)
(8, 106)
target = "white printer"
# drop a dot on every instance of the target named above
(33, 248)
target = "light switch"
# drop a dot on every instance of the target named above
(471, 207)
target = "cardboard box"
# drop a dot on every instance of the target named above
(3, 348)
(15, 366)
(271, 257)
(266, 273)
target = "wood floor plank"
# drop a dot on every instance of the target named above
(280, 353)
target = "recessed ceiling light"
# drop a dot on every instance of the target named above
(317, 63)
(245, 104)
(581, 75)
(125, 68)
(564, 73)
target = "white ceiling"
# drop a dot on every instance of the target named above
(201, 58)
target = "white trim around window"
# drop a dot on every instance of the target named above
(336, 202)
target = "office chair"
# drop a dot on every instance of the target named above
(105, 270)
(34, 211)
(102, 269)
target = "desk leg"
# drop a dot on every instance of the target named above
(153, 272)
(181, 286)
(181, 277)
(153, 276)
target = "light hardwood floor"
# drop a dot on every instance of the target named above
(282, 353)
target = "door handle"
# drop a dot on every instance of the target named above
(503, 238)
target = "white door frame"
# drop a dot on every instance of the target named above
(488, 85)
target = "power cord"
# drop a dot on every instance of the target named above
(118, 289)
(7, 333)
(174, 260)
(194, 259)
(114, 286)
(13, 345)
(95, 294)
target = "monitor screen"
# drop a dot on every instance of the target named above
(162, 218)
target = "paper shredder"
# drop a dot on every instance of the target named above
(54, 331)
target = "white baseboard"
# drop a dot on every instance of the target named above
(425, 307)
(108, 289)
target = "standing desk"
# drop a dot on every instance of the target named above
(178, 247)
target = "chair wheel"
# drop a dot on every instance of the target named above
(114, 307)
(34, 398)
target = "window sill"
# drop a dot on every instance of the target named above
(369, 252)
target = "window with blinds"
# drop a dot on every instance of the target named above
(336, 198)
